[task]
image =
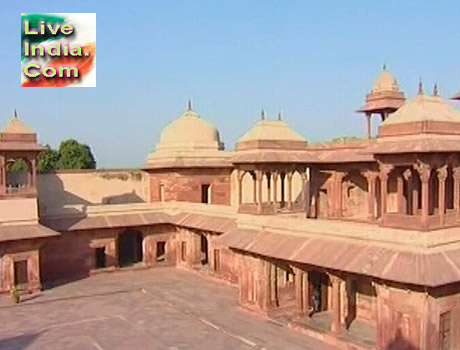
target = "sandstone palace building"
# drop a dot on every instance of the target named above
(356, 242)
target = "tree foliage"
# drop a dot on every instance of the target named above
(75, 155)
(70, 155)
(47, 160)
(18, 166)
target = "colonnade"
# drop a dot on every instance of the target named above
(273, 177)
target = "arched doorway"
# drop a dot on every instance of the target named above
(204, 250)
(129, 248)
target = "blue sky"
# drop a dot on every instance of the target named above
(314, 60)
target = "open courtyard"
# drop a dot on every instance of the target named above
(163, 308)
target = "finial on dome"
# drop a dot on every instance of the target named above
(279, 116)
(262, 115)
(384, 66)
(15, 113)
(189, 104)
(420, 86)
(435, 89)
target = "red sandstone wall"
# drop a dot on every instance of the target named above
(185, 185)
(66, 257)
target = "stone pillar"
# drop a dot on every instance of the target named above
(254, 188)
(400, 193)
(283, 189)
(275, 176)
(424, 171)
(385, 170)
(306, 293)
(371, 177)
(442, 176)
(289, 183)
(2, 174)
(338, 194)
(301, 290)
(267, 298)
(407, 175)
(336, 325)
(305, 192)
(456, 176)
(34, 172)
(274, 285)
(259, 178)
(312, 199)
(240, 186)
(368, 125)
(269, 187)
(298, 290)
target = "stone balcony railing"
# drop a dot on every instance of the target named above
(21, 191)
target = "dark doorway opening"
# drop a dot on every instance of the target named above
(100, 257)
(129, 248)
(319, 283)
(206, 193)
(204, 250)
(20, 273)
(161, 251)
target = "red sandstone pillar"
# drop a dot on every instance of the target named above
(275, 190)
(400, 189)
(289, 178)
(407, 175)
(299, 291)
(240, 186)
(306, 293)
(305, 193)
(456, 176)
(336, 325)
(254, 188)
(442, 176)
(2, 174)
(338, 193)
(274, 285)
(267, 299)
(371, 178)
(385, 170)
(424, 171)
(259, 178)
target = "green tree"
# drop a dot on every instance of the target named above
(75, 155)
(47, 160)
(18, 166)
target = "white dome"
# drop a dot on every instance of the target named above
(424, 108)
(189, 132)
(271, 130)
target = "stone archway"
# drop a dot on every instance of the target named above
(130, 249)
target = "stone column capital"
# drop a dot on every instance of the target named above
(424, 171)
(385, 170)
(442, 173)
(407, 174)
(370, 175)
(456, 172)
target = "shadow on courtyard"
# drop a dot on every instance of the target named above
(19, 342)
(31, 299)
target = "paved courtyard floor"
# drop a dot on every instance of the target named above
(163, 308)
